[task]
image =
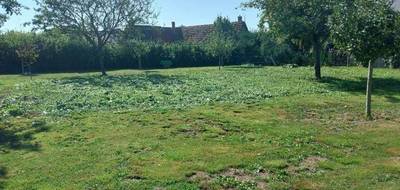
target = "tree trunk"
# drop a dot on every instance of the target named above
(23, 68)
(30, 70)
(103, 69)
(348, 59)
(369, 90)
(273, 60)
(317, 66)
(100, 59)
(219, 62)
(140, 63)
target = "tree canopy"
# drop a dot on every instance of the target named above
(221, 42)
(9, 7)
(366, 28)
(303, 20)
(96, 20)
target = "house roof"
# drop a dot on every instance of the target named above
(196, 33)
(200, 33)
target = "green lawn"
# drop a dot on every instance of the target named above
(200, 128)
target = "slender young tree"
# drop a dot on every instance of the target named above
(98, 21)
(366, 29)
(221, 42)
(220, 46)
(28, 54)
(138, 49)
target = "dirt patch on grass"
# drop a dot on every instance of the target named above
(395, 160)
(310, 164)
(392, 163)
(311, 185)
(394, 151)
(242, 175)
(190, 131)
(233, 177)
(135, 178)
(195, 128)
(204, 179)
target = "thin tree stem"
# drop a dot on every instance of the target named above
(368, 109)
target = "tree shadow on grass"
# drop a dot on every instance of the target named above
(388, 87)
(17, 140)
(14, 138)
(392, 99)
(28, 76)
(245, 67)
(137, 81)
(3, 176)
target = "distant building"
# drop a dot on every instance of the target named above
(194, 34)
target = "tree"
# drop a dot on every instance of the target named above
(96, 20)
(9, 7)
(274, 50)
(247, 46)
(27, 53)
(302, 20)
(221, 42)
(366, 28)
(220, 46)
(22, 49)
(139, 50)
(223, 25)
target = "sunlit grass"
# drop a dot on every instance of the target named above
(274, 126)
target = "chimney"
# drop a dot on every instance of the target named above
(173, 25)
(240, 19)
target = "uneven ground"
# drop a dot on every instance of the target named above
(239, 128)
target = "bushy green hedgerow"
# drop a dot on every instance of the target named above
(60, 52)
(65, 53)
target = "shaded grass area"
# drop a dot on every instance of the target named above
(382, 86)
(3, 173)
(313, 137)
(18, 136)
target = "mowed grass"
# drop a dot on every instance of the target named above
(200, 128)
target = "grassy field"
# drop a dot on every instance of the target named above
(239, 128)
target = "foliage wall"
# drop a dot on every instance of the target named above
(65, 53)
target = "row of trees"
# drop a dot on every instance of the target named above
(293, 28)
(59, 52)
